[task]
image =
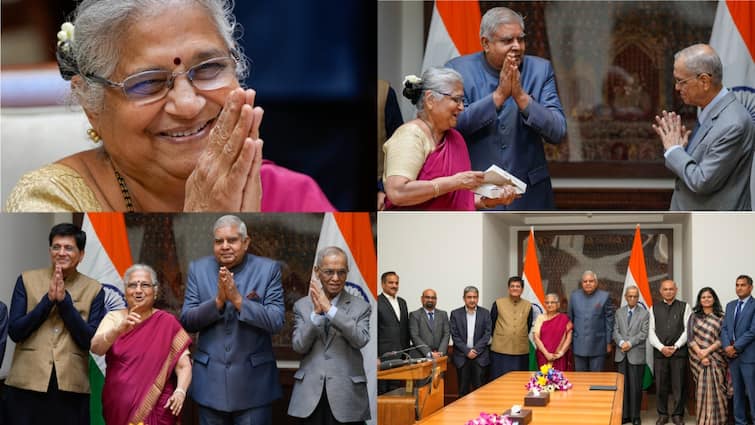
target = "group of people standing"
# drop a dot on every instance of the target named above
(703, 339)
(234, 303)
(498, 106)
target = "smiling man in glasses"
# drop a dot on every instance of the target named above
(54, 314)
(511, 107)
(712, 160)
(235, 301)
(331, 326)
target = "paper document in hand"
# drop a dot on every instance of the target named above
(495, 178)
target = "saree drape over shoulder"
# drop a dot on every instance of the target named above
(552, 332)
(710, 381)
(448, 158)
(140, 375)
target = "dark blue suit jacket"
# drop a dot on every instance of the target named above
(234, 368)
(482, 330)
(505, 137)
(745, 331)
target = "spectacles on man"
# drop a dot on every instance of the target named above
(330, 272)
(150, 86)
(67, 248)
(457, 99)
(135, 285)
(684, 81)
(508, 40)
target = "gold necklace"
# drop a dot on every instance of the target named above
(124, 189)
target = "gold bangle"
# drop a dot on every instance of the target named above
(436, 187)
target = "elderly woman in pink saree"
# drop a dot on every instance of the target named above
(427, 164)
(552, 332)
(147, 357)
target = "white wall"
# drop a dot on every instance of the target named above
(24, 247)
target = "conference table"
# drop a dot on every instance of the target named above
(579, 405)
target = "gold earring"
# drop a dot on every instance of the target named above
(93, 135)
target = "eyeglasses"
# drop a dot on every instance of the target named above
(680, 83)
(457, 99)
(150, 86)
(144, 285)
(330, 272)
(551, 302)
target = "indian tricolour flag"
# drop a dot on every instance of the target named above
(637, 275)
(352, 232)
(533, 288)
(733, 37)
(106, 257)
(454, 31)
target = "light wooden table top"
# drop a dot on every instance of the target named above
(578, 406)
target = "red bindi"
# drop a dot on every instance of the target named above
(176, 61)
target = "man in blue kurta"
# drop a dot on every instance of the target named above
(511, 106)
(235, 301)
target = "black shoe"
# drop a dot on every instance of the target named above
(625, 420)
(662, 420)
(677, 420)
(637, 421)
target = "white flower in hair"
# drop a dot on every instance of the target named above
(66, 33)
(413, 79)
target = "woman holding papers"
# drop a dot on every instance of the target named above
(427, 164)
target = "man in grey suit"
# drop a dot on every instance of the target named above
(429, 327)
(470, 329)
(591, 311)
(738, 340)
(630, 331)
(330, 328)
(235, 301)
(712, 163)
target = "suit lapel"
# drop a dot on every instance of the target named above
(708, 124)
(344, 303)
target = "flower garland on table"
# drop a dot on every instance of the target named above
(548, 379)
(490, 419)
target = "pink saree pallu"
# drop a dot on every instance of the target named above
(551, 333)
(140, 376)
(448, 158)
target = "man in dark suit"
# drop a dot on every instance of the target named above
(667, 334)
(511, 107)
(738, 340)
(393, 325)
(630, 331)
(591, 311)
(429, 327)
(470, 329)
(235, 301)
(712, 163)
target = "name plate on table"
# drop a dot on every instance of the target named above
(540, 399)
(522, 418)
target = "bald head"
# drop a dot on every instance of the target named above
(429, 299)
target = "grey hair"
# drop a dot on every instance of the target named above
(141, 267)
(552, 295)
(331, 250)
(230, 221)
(702, 59)
(632, 287)
(595, 275)
(438, 80)
(498, 16)
(471, 288)
(101, 25)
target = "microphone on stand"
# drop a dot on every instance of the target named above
(403, 361)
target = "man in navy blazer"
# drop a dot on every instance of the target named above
(738, 340)
(235, 301)
(592, 313)
(511, 107)
(470, 331)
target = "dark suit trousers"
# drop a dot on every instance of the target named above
(743, 380)
(471, 377)
(322, 415)
(670, 377)
(632, 388)
(24, 407)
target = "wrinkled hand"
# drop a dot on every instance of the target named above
(507, 196)
(319, 299)
(504, 89)
(129, 322)
(227, 174)
(225, 278)
(670, 129)
(517, 92)
(468, 179)
(221, 297)
(176, 402)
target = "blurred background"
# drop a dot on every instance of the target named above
(313, 68)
